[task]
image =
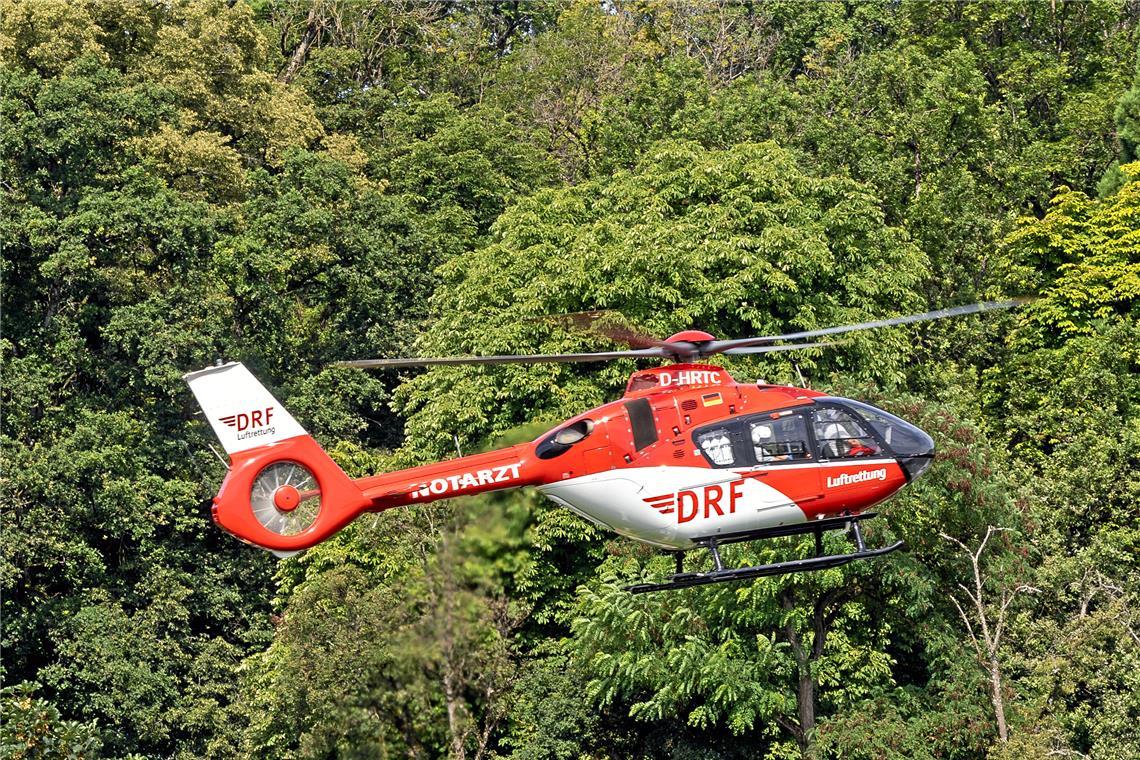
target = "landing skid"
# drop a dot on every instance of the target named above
(721, 574)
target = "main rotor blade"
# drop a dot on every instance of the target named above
(770, 349)
(630, 337)
(721, 346)
(608, 323)
(520, 359)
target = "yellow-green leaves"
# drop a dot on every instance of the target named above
(1085, 256)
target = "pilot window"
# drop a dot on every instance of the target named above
(716, 445)
(840, 436)
(899, 435)
(779, 439)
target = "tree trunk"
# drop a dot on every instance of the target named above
(988, 643)
(301, 52)
(454, 717)
(999, 703)
(805, 688)
(805, 702)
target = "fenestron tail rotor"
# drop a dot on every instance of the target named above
(690, 345)
(286, 498)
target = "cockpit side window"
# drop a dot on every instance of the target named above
(559, 442)
(839, 435)
(716, 445)
(779, 438)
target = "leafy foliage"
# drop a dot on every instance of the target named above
(296, 183)
(741, 241)
(32, 728)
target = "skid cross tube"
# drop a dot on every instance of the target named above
(820, 561)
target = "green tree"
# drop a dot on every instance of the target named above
(170, 202)
(406, 657)
(291, 184)
(1068, 406)
(32, 728)
(739, 242)
(1127, 118)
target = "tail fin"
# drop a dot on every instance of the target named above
(283, 492)
(242, 413)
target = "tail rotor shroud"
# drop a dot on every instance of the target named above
(285, 498)
(283, 492)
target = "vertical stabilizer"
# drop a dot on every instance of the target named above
(242, 413)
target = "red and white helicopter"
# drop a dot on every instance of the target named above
(686, 458)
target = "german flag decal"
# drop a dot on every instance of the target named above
(712, 399)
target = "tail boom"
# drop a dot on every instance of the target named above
(284, 493)
(343, 499)
(466, 476)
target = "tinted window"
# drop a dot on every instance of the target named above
(641, 423)
(559, 442)
(839, 435)
(716, 445)
(780, 438)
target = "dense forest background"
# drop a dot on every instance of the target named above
(290, 184)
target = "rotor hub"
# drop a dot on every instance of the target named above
(286, 498)
(690, 336)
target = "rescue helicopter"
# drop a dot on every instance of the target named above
(688, 458)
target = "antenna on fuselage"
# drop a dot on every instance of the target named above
(800, 375)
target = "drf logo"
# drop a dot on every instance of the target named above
(245, 420)
(709, 501)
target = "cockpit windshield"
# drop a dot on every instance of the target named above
(903, 438)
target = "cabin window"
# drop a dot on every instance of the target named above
(641, 423)
(779, 438)
(840, 436)
(559, 442)
(900, 436)
(716, 445)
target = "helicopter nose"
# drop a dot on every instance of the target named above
(916, 464)
(914, 449)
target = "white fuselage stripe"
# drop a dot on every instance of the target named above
(855, 462)
(669, 506)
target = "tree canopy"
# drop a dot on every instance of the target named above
(291, 184)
